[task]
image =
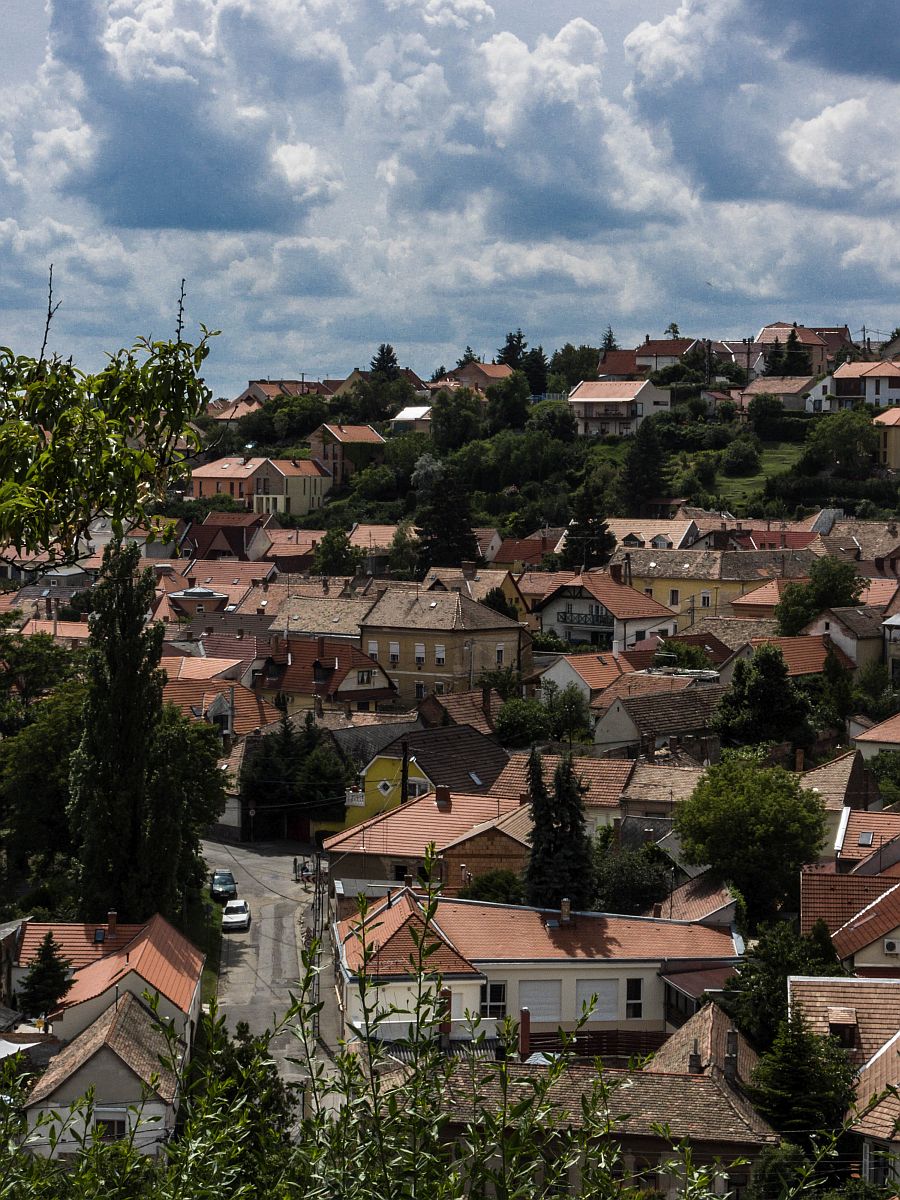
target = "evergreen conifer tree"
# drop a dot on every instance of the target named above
(609, 340)
(47, 980)
(589, 542)
(561, 861)
(512, 352)
(796, 360)
(644, 470)
(444, 521)
(763, 704)
(384, 364)
(775, 359)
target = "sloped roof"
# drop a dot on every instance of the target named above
(675, 531)
(533, 584)
(604, 778)
(880, 917)
(836, 898)
(736, 631)
(884, 731)
(780, 385)
(354, 433)
(336, 615)
(606, 389)
(319, 666)
(389, 927)
(454, 756)
(660, 347)
(624, 602)
(407, 831)
(195, 666)
(708, 1029)
(194, 696)
(163, 958)
(862, 620)
(127, 1028)
(619, 362)
(738, 565)
(695, 900)
(467, 708)
(879, 1077)
(768, 594)
(780, 330)
(681, 712)
(890, 417)
(228, 468)
(77, 941)
(805, 655)
(372, 537)
(832, 780)
(649, 782)
(876, 1003)
(598, 670)
(402, 609)
(639, 683)
(476, 586)
(866, 830)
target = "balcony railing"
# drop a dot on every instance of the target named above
(595, 620)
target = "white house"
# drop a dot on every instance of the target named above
(615, 407)
(598, 608)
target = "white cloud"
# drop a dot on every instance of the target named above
(307, 170)
(455, 14)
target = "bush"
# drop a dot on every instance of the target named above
(522, 722)
(740, 458)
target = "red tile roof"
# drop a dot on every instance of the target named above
(664, 347)
(194, 696)
(77, 941)
(299, 466)
(624, 602)
(865, 831)
(598, 670)
(407, 831)
(695, 900)
(874, 1002)
(835, 898)
(708, 1030)
(389, 928)
(355, 433)
(635, 683)
(884, 731)
(805, 655)
(879, 918)
(604, 778)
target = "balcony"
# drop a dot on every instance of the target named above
(594, 620)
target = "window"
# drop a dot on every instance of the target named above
(439, 656)
(373, 650)
(673, 595)
(705, 599)
(385, 787)
(420, 654)
(363, 677)
(648, 592)
(417, 787)
(420, 691)
(634, 1007)
(493, 999)
(606, 1006)
(877, 387)
(110, 1129)
(439, 688)
(394, 651)
(499, 654)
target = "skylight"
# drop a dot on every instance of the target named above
(866, 838)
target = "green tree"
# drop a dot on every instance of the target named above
(836, 695)
(796, 360)
(609, 340)
(512, 352)
(589, 541)
(644, 469)
(568, 712)
(684, 655)
(30, 667)
(468, 356)
(630, 881)
(443, 517)
(765, 413)
(782, 1170)
(403, 556)
(457, 417)
(874, 693)
(755, 827)
(495, 887)
(509, 403)
(775, 360)
(555, 419)
(522, 722)
(295, 770)
(334, 555)
(47, 980)
(384, 364)
(535, 368)
(497, 600)
(756, 995)
(572, 365)
(832, 583)
(560, 864)
(672, 331)
(844, 442)
(803, 1085)
(507, 681)
(885, 766)
(762, 704)
(740, 457)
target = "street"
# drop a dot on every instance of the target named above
(260, 967)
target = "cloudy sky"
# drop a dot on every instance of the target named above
(330, 174)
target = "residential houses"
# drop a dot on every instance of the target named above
(615, 407)
(887, 425)
(345, 449)
(598, 608)
(294, 486)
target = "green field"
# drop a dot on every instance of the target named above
(776, 457)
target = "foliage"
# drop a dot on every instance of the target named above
(377, 398)
(534, 367)
(885, 766)
(762, 704)
(561, 860)
(755, 826)
(468, 356)
(144, 781)
(589, 541)
(47, 980)
(384, 363)
(522, 722)
(833, 583)
(775, 359)
(672, 330)
(835, 701)
(568, 711)
(644, 470)
(740, 458)
(30, 667)
(782, 1170)
(609, 340)
(683, 655)
(295, 770)
(630, 881)
(874, 693)
(457, 417)
(74, 445)
(443, 516)
(804, 1082)
(756, 995)
(844, 442)
(509, 402)
(403, 556)
(497, 600)
(796, 361)
(512, 352)
(496, 887)
(553, 418)
(574, 365)
(334, 555)
(505, 680)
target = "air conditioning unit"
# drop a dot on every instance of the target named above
(892, 946)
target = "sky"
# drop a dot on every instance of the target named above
(331, 174)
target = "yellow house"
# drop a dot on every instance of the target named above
(888, 426)
(702, 583)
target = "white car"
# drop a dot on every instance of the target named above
(236, 915)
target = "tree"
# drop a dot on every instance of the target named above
(796, 360)
(144, 783)
(507, 681)
(756, 995)
(775, 359)
(836, 693)
(609, 340)
(553, 418)
(521, 722)
(403, 556)
(885, 766)
(75, 445)
(438, 373)
(384, 364)
(496, 600)
(762, 704)
(512, 352)
(644, 469)
(568, 712)
(683, 655)
(589, 541)
(47, 980)
(804, 1084)
(335, 555)
(468, 356)
(874, 693)
(560, 864)
(765, 413)
(630, 881)
(296, 771)
(572, 365)
(755, 827)
(844, 442)
(443, 517)
(534, 368)
(30, 667)
(495, 887)
(457, 417)
(672, 331)
(740, 457)
(509, 403)
(832, 583)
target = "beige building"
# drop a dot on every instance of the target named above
(265, 485)
(439, 642)
(346, 449)
(615, 406)
(887, 425)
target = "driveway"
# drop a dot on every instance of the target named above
(260, 967)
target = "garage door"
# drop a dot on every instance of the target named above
(606, 1007)
(542, 998)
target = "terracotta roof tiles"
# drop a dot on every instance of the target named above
(78, 941)
(875, 1002)
(836, 898)
(637, 683)
(194, 696)
(695, 900)
(356, 434)
(407, 831)
(708, 1029)
(806, 655)
(604, 778)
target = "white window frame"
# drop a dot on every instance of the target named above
(373, 651)
(420, 654)
(394, 651)
(500, 648)
(493, 998)
(440, 655)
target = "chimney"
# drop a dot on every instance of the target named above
(239, 633)
(265, 585)
(111, 920)
(627, 565)
(192, 581)
(407, 880)
(469, 569)
(565, 911)
(48, 607)
(442, 798)
(615, 572)
(524, 798)
(694, 1066)
(729, 1066)
(657, 909)
(524, 1033)
(320, 648)
(646, 338)
(798, 759)
(260, 611)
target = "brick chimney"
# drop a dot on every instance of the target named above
(565, 911)
(524, 798)
(442, 798)
(469, 569)
(111, 922)
(615, 572)
(729, 1066)
(524, 1033)
(694, 1064)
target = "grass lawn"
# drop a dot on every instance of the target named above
(204, 928)
(776, 457)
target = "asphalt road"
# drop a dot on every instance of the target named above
(260, 967)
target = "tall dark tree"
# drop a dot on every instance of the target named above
(571, 365)
(384, 364)
(509, 403)
(763, 704)
(30, 667)
(457, 417)
(609, 340)
(512, 352)
(535, 368)
(294, 770)
(796, 360)
(832, 583)
(143, 783)
(47, 980)
(335, 555)
(561, 861)
(468, 356)
(775, 359)
(589, 542)
(644, 469)
(496, 600)
(443, 517)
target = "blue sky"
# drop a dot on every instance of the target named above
(330, 174)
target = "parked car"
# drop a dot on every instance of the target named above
(236, 915)
(223, 886)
